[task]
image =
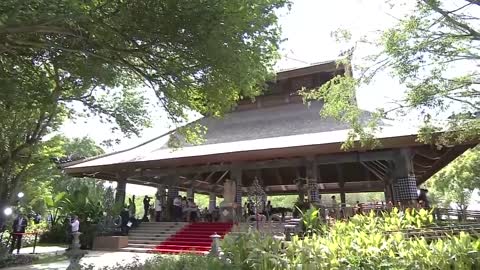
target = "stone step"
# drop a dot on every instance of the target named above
(154, 235)
(148, 238)
(153, 231)
(168, 224)
(137, 250)
(146, 241)
(149, 246)
(160, 226)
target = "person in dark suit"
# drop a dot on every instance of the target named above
(18, 228)
(125, 218)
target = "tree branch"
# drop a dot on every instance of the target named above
(456, 23)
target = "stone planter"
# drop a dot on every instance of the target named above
(110, 242)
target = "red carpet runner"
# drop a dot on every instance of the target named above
(193, 238)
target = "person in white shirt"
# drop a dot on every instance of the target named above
(158, 210)
(75, 224)
(177, 208)
(74, 228)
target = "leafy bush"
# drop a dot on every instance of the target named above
(56, 234)
(184, 262)
(364, 242)
(7, 259)
(253, 251)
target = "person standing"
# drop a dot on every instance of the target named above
(177, 208)
(18, 228)
(125, 218)
(158, 210)
(146, 207)
(334, 210)
(75, 227)
(75, 224)
(132, 209)
(268, 210)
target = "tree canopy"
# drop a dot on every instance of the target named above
(65, 59)
(457, 182)
(432, 52)
(43, 178)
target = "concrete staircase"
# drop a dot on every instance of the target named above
(149, 235)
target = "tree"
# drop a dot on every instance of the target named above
(43, 180)
(457, 182)
(65, 59)
(433, 53)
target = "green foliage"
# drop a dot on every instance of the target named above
(432, 52)
(55, 205)
(253, 251)
(56, 234)
(77, 59)
(457, 182)
(311, 220)
(181, 262)
(364, 242)
(82, 203)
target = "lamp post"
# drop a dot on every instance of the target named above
(8, 211)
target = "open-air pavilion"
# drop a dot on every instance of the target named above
(282, 143)
(276, 143)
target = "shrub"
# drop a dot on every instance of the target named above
(184, 262)
(7, 259)
(56, 234)
(363, 242)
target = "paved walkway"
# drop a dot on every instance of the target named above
(99, 259)
(43, 250)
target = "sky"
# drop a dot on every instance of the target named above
(307, 29)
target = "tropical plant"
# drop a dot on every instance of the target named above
(253, 251)
(311, 220)
(55, 206)
(81, 203)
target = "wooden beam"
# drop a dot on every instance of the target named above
(428, 155)
(275, 163)
(418, 164)
(357, 187)
(221, 177)
(380, 165)
(210, 177)
(373, 170)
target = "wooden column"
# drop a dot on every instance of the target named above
(236, 175)
(341, 184)
(161, 196)
(172, 193)
(121, 189)
(190, 193)
(300, 187)
(404, 180)
(388, 191)
(312, 178)
(212, 203)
